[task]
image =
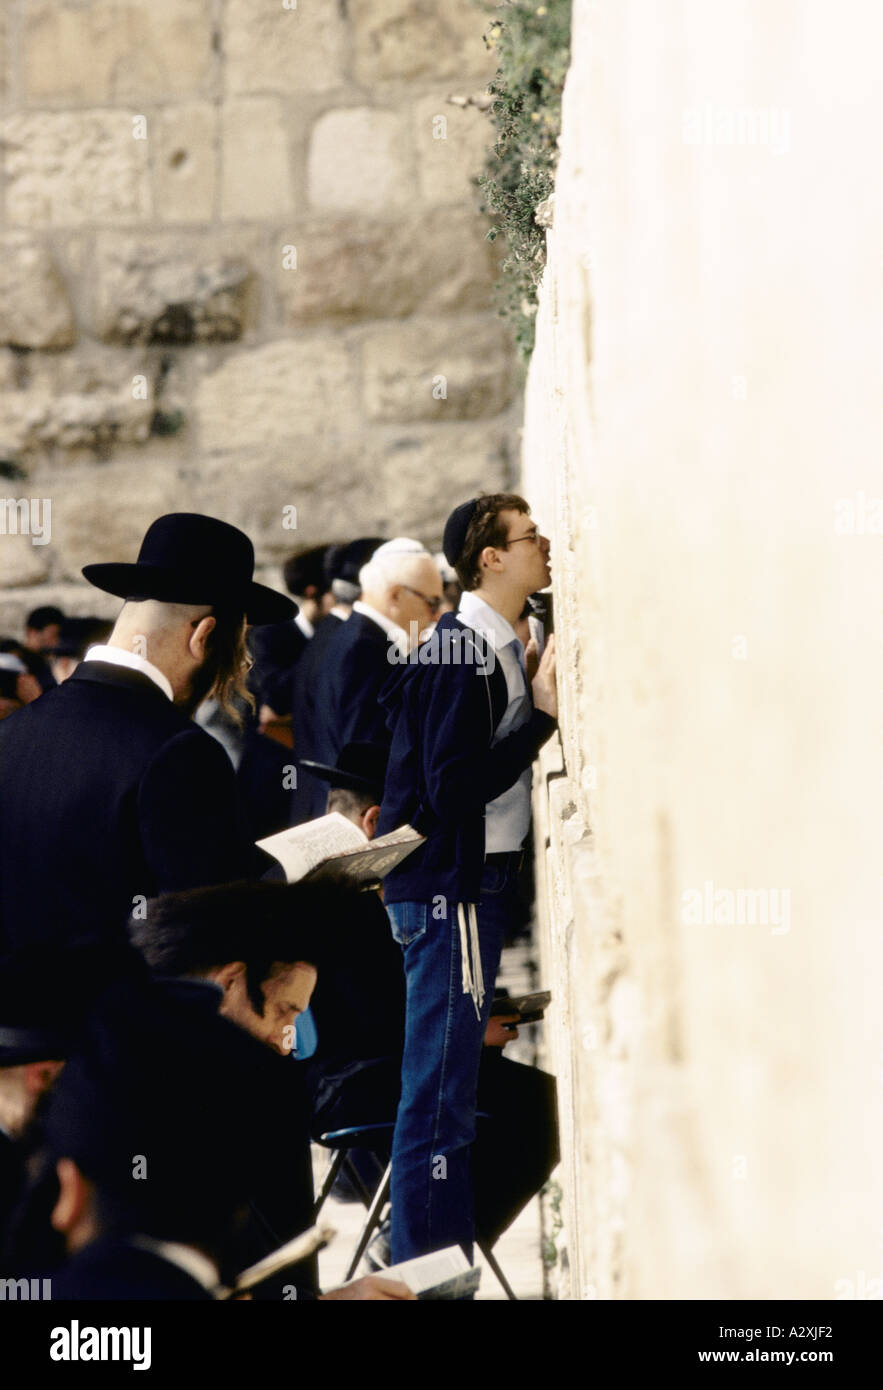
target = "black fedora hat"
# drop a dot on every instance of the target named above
(361, 767)
(189, 558)
(44, 998)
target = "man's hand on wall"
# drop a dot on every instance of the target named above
(545, 691)
(531, 660)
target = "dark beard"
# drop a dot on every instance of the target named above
(201, 682)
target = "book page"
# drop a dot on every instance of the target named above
(429, 1271)
(369, 863)
(404, 834)
(300, 848)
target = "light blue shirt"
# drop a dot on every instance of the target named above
(507, 817)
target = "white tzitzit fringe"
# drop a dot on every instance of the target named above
(473, 979)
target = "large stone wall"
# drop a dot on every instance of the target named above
(703, 438)
(242, 269)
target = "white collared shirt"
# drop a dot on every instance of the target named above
(393, 631)
(118, 656)
(302, 621)
(507, 817)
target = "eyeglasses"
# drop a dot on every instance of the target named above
(432, 603)
(533, 536)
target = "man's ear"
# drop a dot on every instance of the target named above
(369, 821)
(199, 636)
(39, 1076)
(227, 975)
(74, 1196)
(490, 558)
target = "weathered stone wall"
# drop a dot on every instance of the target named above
(235, 261)
(703, 438)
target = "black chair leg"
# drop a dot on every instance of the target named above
(372, 1221)
(333, 1170)
(507, 1287)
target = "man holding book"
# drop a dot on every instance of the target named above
(466, 727)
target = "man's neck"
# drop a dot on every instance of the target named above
(133, 644)
(507, 605)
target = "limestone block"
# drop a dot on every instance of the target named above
(101, 514)
(258, 401)
(116, 50)
(10, 363)
(324, 480)
(93, 400)
(3, 51)
(35, 311)
(70, 167)
(452, 146)
(256, 180)
(356, 268)
(21, 562)
(359, 159)
(269, 48)
(423, 473)
(419, 38)
(455, 369)
(185, 162)
(161, 290)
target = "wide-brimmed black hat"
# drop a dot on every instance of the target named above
(360, 767)
(189, 558)
(44, 998)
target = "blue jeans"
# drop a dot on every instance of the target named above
(435, 1124)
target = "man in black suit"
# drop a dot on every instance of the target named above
(401, 596)
(44, 1000)
(110, 793)
(341, 571)
(42, 633)
(257, 947)
(154, 1163)
(262, 777)
(32, 1048)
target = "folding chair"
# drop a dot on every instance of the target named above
(340, 1142)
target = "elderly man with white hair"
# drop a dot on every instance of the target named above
(402, 594)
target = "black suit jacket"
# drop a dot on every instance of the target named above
(309, 794)
(111, 1268)
(277, 648)
(354, 670)
(109, 791)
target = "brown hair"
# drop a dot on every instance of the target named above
(485, 528)
(224, 673)
(234, 661)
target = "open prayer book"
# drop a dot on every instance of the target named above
(531, 1007)
(443, 1274)
(291, 1253)
(332, 849)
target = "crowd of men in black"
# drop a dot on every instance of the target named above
(176, 1024)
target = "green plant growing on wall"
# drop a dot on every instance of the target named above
(533, 45)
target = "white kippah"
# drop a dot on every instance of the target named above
(400, 545)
